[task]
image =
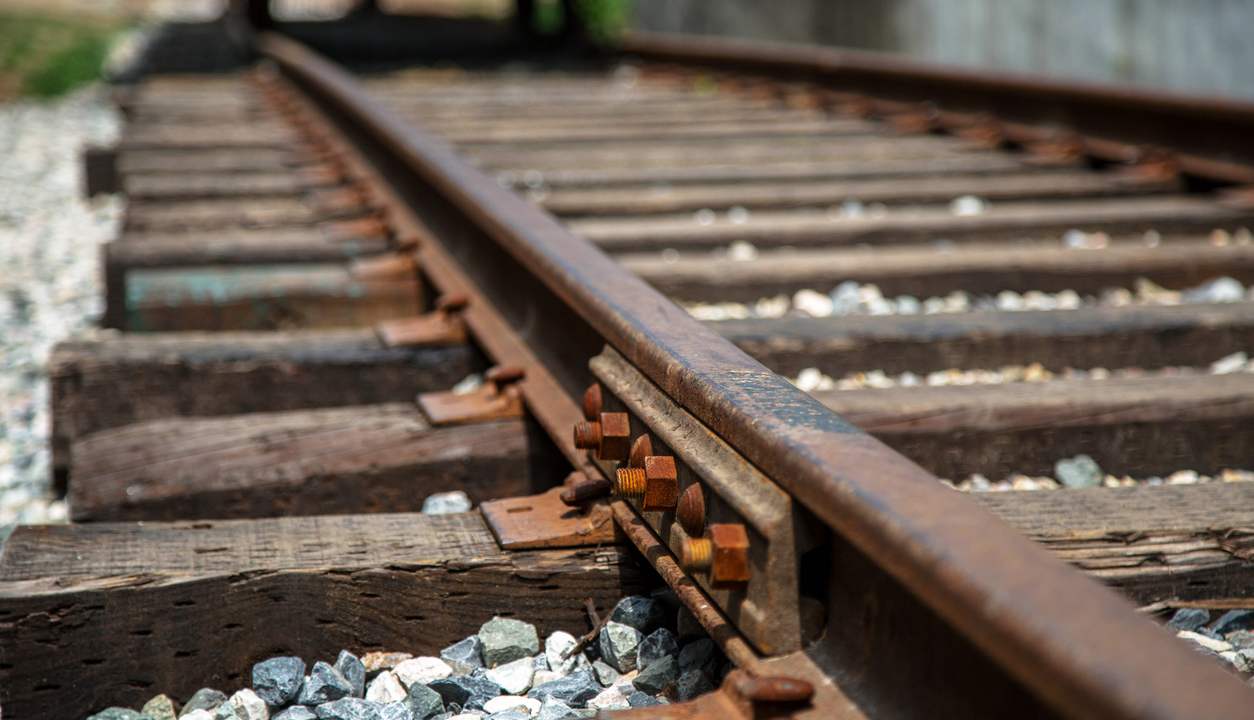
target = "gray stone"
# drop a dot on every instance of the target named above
(575, 689)
(1243, 639)
(468, 692)
(1234, 620)
(605, 674)
(117, 713)
(619, 644)
(1189, 619)
(639, 699)
(641, 613)
(296, 712)
(353, 670)
(349, 708)
(699, 654)
(423, 702)
(554, 709)
(204, 699)
(510, 715)
(160, 707)
(540, 662)
(396, 711)
(658, 676)
(656, 645)
(692, 683)
(464, 656)
(324, 684)
(1080, 471)
(506, 639)
(277, 680)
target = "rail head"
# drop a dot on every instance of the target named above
(1077, 646)
(1209, 136)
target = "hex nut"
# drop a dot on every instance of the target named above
(661, 490)
(615, 436)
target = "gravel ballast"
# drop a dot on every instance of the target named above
(525, 678)
(50, 287)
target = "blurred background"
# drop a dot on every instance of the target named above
(1198, 46)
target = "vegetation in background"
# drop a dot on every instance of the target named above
(604, 19)
(48, 55)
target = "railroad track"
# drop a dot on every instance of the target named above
(636, 255)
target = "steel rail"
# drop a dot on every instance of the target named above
(1210, 137)
(1072, 646)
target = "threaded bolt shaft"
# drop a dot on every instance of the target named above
(698, 554)
(630, 484)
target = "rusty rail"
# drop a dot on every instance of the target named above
(993, 623)
(1206, 137)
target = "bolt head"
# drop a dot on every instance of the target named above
(641, 448)
(592, 402)
(690, 510)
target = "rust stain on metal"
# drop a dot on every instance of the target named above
(499, 398)
(546, 521)
(443, 326)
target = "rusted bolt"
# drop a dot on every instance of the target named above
(592, 402)
(723, 553)
(452, 303)
(581, 489)
(641, 448)
(587, 435)
(690, 510)
(615, 434)
(504, 378)
(649, 478)
(607, 435)
(772, 688)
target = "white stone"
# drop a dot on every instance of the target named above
(1209, 643)
(741, 251)
(386, 688)
(1230, 363)
(967, 205)
(446, 503)
(197, 715)
(245, 705)
(555, 648)
(611, 698)
(738, 215)
(421, 670)
(514, 677)
(812, 303)
(502, 703)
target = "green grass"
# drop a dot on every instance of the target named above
(604, 19)
(49, 55)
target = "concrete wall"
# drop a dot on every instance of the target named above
(1199, 46)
